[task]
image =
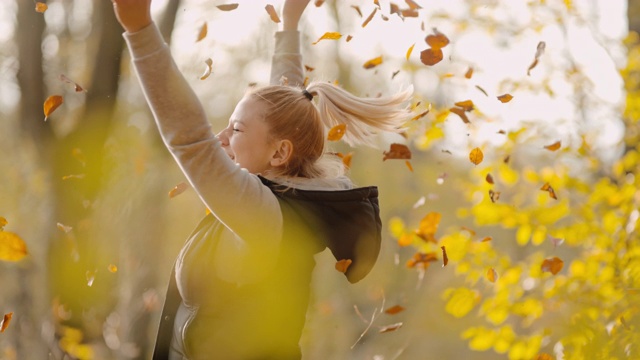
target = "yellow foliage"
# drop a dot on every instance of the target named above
(396, 227)
(523, 234)
(460, 301)
(12, 247)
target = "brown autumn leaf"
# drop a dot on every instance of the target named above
(343, 265)
(227, 7)
(549, 189)
(393, 75)
(410, 13)
(394, 310)
(207, 70)
(489, 179)
(394, 9)
(41, 7)
(337, 132)
(492, 275)
(412, 5)
(422, 259)
(445, 258)
(349, 37)
(482, 90)
(505, 98)
(272, 13)
(77, 87)
(552, 265)
(309, 68)
(494, 195)
(397, 151)
(319, 3)
(51, 104)
(409, 51)
(203, 31)
(469, 73)
(389, 328)
(377, 3)
(357, 8)
(460, 112)
(12, 247)
(372, 63)
(408, 163)
(6, 319)
(466, 105)
(539, 51)
(177, 190)
(555, 146)
(421, 115)
(476, 156)
(431, 56)
(328, 36)
(437, 40)
(368, 19)
(428, 226)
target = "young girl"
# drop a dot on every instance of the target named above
(240, 285)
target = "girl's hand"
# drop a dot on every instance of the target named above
(291, 13)
(133, 15)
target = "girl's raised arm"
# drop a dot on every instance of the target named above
(287, 60)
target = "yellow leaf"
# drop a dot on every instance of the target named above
(329, 36)
(272, 13)
(41, 7)
(51, 104)
(12, 247)
(337, 132)
(492, 275)
(112, 268)
(428, 226)
(373, 63)
(409, 51)
(408, 163)
(460, 301)
(3, 222)
(476, 156)
(203, 32)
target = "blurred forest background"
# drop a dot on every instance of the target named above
(541, 238)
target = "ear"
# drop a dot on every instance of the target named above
(284, 150)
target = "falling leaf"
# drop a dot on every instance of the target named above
(502, 132)
(419, 203)
(482, 90)
(413, 5)
(494, 195)
(51, 104)
(393, 75)
(555, 241)
(409, 51)
(548, 188)
(112, 268)
(272, 13)
(492, 275)
(319, 3)
(349, 37)
(466, 105)
(12, 247)
(394, 9)
(227, 7)
(505, 98)
(73, 176)
(389, 328)
(377, 3)
(368, 19)
(553, 265)
(346, 159)
(405, 240)
(486, 238)
(409, 13)
(408, 163)
(506, 159)
(420, 116)
(445, 258)
(177, 190)
(337, 132)
(431, 56)
(373, 63)
(394, 310)
(460, 112)
(553, 147)
(64, 228)
(328, 36)
(343, 265)
(357, 8)
(437, 40)
(429, 226)
(489, 178)
(207, 70)
(543, 356)
(309, 68)
(77, 87)
(539, 51)
(476, 156)
(397, 151)
(422, 259)
(3, 223)
(203, 31)
(5, 321)
(91, 276)
(469, 73)
(41, 7)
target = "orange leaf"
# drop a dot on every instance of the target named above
(343, 265)
(41, 7)
(409, 13)
(346, 159)
(272, 13)
(431, 56)
(51, 104)
(12, 247)
(422, 259)
(177, 190)
(309, 68)
(548, 188)
(469, 73)
(112, 268)
(227, 7)
(207, 70)
(466, 105)
(489, 178)
(5, 322)
(408, 163)
(409, 51)
(405, 240)
(77, 87)
(486, 238)
(394, 9)
(428, 226)
(319, 3)
(337, 132)
(437, 40)
(397, 151)
(553, 265)
(543, 356)
(357, 8)
(492, 275)
(412, 5)
(368, 19)
(203, 31)
(389, 328)
(555, 146)
(328, 36)
(476, 156)
(349, 37)
(373, 63)
(539, 51)
(460, 112)
(394, 310)
(505, 98)
(3, 223)
(445, 258)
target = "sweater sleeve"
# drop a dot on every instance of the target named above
(237, 198)
(287, 60)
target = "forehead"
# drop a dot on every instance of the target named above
(249, 108)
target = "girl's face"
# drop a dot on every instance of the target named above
(246, 140)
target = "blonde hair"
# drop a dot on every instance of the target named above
(291, 115)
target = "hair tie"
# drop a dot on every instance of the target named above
(307, 94)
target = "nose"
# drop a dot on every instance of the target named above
(223, 137)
